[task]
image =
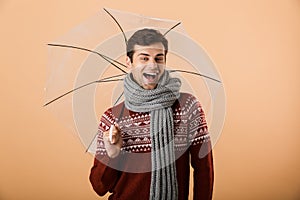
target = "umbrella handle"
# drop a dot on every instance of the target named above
(110, 132)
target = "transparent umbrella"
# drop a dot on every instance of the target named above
(86, 70)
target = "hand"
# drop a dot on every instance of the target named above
(114, 142)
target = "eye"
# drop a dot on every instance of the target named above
(144, 58)
(159, 59)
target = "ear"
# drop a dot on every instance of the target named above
(128, 63)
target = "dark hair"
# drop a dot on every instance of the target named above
(145, 37)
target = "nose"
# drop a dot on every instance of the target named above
(152, 62)
(152, 65)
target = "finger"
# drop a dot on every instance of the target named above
(110, 139)
(117, 126)
(114, 134)
(114, 139)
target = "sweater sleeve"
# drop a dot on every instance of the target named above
(201, 154)
(103, 176)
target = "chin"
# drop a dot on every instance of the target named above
(149, 87)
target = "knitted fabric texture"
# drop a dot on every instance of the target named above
(158, 102)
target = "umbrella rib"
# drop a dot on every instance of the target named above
(107, 79)
(194, 73)
(119, 98)
(86, 150)
(114, 76)
(108, 59)
(126, 42)
(121, 114)
(172, 28)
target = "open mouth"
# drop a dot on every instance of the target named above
(150, 76)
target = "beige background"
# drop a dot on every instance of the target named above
(254, 43)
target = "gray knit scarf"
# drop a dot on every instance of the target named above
(158, 102)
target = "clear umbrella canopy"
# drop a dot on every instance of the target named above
(86, 68)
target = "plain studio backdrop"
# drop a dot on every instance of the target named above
(255, 45)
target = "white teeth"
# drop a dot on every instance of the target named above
(152, 74)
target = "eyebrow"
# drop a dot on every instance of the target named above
(145, 54)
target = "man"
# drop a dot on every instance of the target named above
(146, 143)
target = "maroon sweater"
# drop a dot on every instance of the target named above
(128, 176)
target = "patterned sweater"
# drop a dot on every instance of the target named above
(128, 176)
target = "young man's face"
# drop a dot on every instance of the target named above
(148, 64)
